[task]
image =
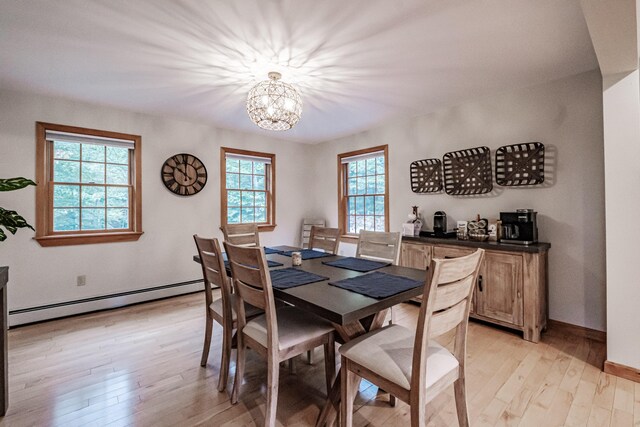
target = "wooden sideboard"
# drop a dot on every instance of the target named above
(512, 285)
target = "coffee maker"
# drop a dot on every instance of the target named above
(519, 227)
(439, 223)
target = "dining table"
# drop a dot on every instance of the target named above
(351, 313)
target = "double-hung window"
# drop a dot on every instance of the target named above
(363, 189)
(247, 187)
(88, 186)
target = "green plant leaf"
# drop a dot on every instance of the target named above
(11, 184)
(12, 221)
(3, 236)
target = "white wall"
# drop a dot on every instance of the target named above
(621, 101)
(40, 276)
(566, 116)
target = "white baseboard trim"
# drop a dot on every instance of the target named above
(104, 302)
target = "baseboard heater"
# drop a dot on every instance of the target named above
(103, 302)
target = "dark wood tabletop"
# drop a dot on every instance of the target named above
(335, 304)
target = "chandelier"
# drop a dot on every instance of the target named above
(274, 105)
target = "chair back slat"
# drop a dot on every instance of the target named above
(445, 306)
(327, 239)
(379, 246)
(445, 320)
(252, 295)
(450, 294)
(241, 234)
(213, 269)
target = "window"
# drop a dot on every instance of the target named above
(363, 190)
(88, 186)
(248, 187)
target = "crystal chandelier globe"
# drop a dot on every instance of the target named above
(273, 104)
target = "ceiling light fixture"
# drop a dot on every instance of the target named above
(274, 105)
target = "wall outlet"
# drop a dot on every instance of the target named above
(81, 280)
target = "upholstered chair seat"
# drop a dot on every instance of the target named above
(389, 351)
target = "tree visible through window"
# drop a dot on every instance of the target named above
(363, 180)
(248, 190)
(88, 186)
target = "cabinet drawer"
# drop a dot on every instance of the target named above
(451, 252)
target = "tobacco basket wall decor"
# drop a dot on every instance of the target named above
(520, 164)
(467, 172)
(426, 176)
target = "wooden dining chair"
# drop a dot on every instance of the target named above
(305, 230)
(379, 246)
(241, 234)
(409, 363)
(327, 239)
(279, 334)
(223, 309)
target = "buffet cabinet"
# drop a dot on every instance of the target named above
(511, 290)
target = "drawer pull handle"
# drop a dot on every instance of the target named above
(480, 282)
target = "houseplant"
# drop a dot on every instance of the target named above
(11, 220)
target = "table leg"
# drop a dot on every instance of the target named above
(331, 408)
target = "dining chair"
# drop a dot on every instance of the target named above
(327, 239)
(305, 230)
(280, 333)
(379, 246)
(409, 363)
(223, 309)
(241, 234)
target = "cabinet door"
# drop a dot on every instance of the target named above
(415, 255)
(499, 288)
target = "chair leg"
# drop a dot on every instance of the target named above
(417, 410)
(461, 402)
(224, 360)
(346, 403)
(272, 391)
(392, 400)
(392, 317)
(330, 363)
(208, 329)
(237, 380)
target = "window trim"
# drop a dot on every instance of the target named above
(271, 194)
(44, 200)
(342, 186)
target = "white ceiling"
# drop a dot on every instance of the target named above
(357, 63)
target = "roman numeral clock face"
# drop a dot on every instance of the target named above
(184, 174)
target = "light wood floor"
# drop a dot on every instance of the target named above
(140, 366)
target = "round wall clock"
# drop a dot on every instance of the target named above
(184, 174)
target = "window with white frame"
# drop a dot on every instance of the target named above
(248, 187)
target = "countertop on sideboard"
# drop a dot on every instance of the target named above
(496, 246)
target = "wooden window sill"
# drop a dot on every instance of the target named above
(263, 227)
(85, 239)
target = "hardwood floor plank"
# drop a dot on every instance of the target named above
(139, 366)
(599, 417)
